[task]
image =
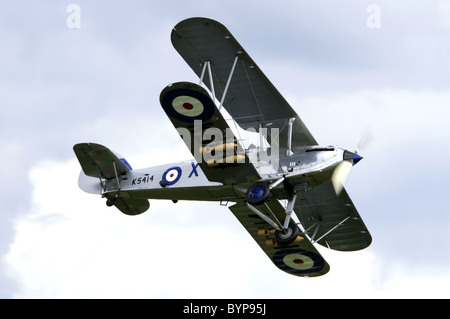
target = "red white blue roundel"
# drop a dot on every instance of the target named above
(298, 261)
(187, 104)
(172, 175)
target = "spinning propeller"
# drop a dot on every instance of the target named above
(342, 171)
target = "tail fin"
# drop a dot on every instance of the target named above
(100, 163)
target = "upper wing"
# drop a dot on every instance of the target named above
(196, 117)
(98, 161)
(299, 259)
(320, 210)
(252, 100)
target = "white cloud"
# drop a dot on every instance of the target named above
(69, 244)
(444, 13)
(72, 245)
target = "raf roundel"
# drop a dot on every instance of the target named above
(298, 261)
(172, 175)
(187, 105)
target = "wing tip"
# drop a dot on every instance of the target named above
(300, 262)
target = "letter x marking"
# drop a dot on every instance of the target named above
(194, 170)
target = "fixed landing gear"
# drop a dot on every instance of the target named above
(287, 235)
(111, 201)
(287, 232)
(281, 238)
(257, 194)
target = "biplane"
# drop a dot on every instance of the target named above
(287, 191)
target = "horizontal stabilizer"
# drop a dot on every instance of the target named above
(132, 206)
(98, 161)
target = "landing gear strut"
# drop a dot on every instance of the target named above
(257, 194)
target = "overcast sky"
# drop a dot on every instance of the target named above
(343, 66)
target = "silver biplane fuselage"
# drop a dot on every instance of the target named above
(306, 168)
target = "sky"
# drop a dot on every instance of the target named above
(95, 75)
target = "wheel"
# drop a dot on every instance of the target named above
(110, 202)
(285, 237)
(257, 194)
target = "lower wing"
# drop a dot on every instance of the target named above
(300, 258)
(332, 220)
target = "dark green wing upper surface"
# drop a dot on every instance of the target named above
(252, 100)
(190, 109)
(332, 220)
(98, 161)
(299, 258)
